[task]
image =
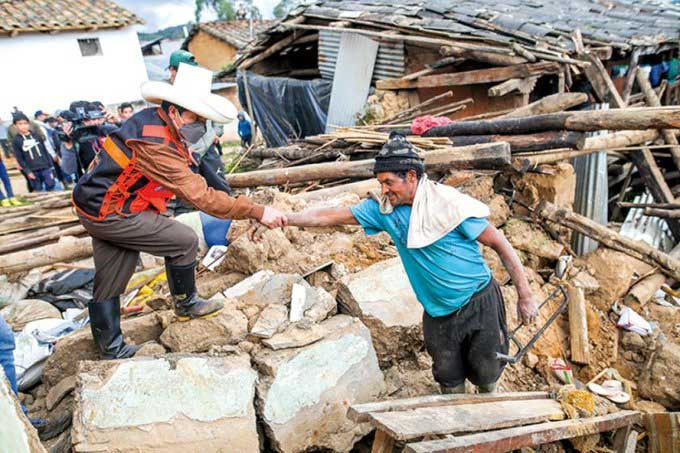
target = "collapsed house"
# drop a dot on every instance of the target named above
(500, 55)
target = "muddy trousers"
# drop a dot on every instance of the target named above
(463, 345)
(117, 241)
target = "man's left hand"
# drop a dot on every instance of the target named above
(527, 310)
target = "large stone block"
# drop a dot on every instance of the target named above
(382, 297)
(16, 433)
(230, 326)
(79, 345)
(178, 403)
(304, 394)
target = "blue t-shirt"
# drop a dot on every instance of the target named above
(445, 274)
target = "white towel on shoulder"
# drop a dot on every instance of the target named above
(437, 210)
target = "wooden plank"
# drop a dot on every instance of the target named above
(578, 326)
(630, 75)
(524, 86)
(620, 438)
(664, 432)
(359, 412)
(549, 104)
(526, 436)
(424, 421)
(631, 443)
(471, 77)
(382, 443)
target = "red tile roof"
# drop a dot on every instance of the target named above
(50, 15)
(234, 32)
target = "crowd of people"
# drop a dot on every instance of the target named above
(53, 151)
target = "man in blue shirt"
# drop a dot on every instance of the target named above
(436, 230)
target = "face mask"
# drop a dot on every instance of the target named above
(193, 132)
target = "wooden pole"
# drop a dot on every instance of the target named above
(624, 204)
(250, 106)
(491, 58)
(39, 239)
(67, 249)
(542, 141)
(630, 75)
(549, 104)
(609, 238)
(578, 326)
(663, 213)
(585, 120)
(653, 101)
(485, 156)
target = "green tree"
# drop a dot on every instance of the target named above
(226, 9)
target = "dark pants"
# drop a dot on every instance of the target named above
(44, 180)
(6, 182)
(246, 141)
(463, 345)
(117, 242)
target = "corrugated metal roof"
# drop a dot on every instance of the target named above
(592, 192)
(389, 63)
(652, 230)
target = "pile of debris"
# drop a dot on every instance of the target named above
(335, 305)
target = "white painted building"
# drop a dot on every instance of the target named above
(51, 59)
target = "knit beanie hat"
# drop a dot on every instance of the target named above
(397, 155)
(18, 116)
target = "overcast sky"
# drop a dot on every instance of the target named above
(164, 13)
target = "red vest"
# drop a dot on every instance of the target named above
(113, 184)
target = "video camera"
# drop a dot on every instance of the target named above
(78, 112)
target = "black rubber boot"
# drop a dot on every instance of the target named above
(105, 324)
(182, 283)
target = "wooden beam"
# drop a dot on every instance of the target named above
(477, 76)
(492, 58)
(382, 443)
(630, 75)
(524, 86)
(549, 104)
(663, 431)
(485, 156)
(663, 213)
(583, 120)
(360, 412)
(602, 84)
(273, 49)
(526, 436)
(578, 326)
(67, 249)
(542, 141)
(653, 101)
(609, 238)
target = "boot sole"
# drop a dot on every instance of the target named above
(189, 318)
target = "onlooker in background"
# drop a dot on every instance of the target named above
(6, 148)
(245, 130)
(8, 200)
(31, 155)
(40, 118)
(125, 111)
(12, 132)
(177, 57)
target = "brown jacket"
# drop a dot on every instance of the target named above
(167, 167)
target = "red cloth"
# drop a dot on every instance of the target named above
(424, 123)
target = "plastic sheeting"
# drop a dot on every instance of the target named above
(286, 108)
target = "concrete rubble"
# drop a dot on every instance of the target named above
(381, 296)
(174, 403)
(16, 433)
(317, 319)
(304, 393)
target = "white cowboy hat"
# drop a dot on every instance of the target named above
(191, 91)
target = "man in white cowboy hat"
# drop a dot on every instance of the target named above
(144, 164)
